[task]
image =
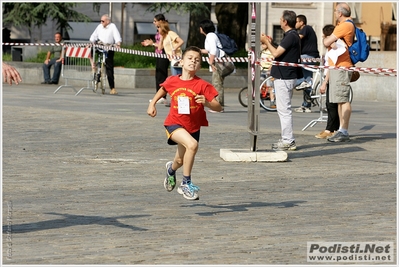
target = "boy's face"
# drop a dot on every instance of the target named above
(191, 61)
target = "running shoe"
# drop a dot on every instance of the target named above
(170, 180)
(303, 109)
(339, 137)
(189, 191)
(303, 85)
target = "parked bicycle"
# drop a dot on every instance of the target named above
(267, 97)
(266, 90)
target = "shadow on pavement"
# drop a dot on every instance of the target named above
(73, 220)
(223, 208)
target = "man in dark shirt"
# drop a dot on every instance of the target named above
(309, 50)
(285, 77)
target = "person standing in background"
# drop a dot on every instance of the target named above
(333, 51)
(107, 34)
(172, 44)
(339, 79)
(285, 77)
(212, 44)
(309, 50)
(161, 64)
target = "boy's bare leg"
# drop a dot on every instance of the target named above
(186, 149)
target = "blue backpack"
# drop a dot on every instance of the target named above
(229, 46)
(359, 50)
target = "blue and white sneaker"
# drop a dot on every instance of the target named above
(170, 180)
(189, 191)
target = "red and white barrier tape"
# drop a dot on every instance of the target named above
(380, 71)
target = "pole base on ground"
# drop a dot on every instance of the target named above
(245, 155)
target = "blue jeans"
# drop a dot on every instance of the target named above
(175, 71)
(307, 76)
(57, 70)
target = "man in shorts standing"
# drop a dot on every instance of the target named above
(339, 80)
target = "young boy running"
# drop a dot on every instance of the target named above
(189, 94)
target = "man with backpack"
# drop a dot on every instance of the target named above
(339, 80)
(213, 47)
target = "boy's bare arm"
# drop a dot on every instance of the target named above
(213, 105)
(151, 110)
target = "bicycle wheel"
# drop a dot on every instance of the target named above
(97, 77)
(103, 78)
(266, 92)
(94, 82)
(310, 99)
(243, 97)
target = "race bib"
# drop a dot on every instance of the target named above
(183, 105)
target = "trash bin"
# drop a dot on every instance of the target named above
(16, 54)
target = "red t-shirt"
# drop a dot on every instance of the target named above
(179, 88)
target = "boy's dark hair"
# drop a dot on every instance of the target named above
(303, 19)
(192, 48)
(328, 29)
(290, 17)
(207, 26)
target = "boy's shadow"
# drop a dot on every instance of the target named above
(224, 208)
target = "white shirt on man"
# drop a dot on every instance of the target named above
(212, 43)
(107, 35)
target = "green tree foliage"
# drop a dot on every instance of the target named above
(192, 8)
(232, 19)
(36, 14)
(197, 12)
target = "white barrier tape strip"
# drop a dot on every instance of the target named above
(34, 44)
(380, 71)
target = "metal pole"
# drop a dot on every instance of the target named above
(122, 20)
(253, 73)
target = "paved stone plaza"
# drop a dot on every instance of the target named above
(83, 183)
